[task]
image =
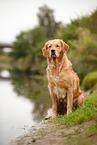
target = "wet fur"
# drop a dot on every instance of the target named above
(63, 82)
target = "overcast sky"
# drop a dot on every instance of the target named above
(21, 15)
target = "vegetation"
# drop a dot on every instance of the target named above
(82, 114)
(81, 36)
(5, 61)
(90, 81)
(81, 134)
(47, 21)
(27, 49)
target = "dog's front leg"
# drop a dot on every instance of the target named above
(69, 100)
(54, 104)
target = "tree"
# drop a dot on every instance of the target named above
(29, 42)
(27, 51)
(85, 51)
(47, 21)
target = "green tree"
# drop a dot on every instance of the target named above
(81, 35)
(47, 21)
(21, 46)
(29, 42)
(85, 51)
(27, 48)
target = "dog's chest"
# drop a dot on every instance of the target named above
(59, 92)
(54, 69)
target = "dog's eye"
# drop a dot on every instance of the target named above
(49, 46)
(57, 45)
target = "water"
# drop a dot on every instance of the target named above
(24, 101)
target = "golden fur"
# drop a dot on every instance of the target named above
(63, 82)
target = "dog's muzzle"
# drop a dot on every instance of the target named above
(53, 54)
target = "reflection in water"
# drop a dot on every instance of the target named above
(35, 89)
(15, 113)
(23, 102)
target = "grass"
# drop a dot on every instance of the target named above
(83, 135)
(82, 114)
(83, 121)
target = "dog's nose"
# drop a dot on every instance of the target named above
(53, 52)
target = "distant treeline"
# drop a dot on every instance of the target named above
(80, 34)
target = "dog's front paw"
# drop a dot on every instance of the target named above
(48, 117)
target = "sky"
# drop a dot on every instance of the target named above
(21, 15)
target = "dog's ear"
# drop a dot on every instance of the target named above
(44, 51)
(65, 46)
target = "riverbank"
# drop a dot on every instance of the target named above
(52, 134)
(79, 127)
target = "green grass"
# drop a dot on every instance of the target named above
(90, 81)
(84, 134)
(82, 114)
(91, 130)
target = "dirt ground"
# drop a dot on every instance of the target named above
(53, 134)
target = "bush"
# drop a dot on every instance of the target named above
(81, 35)
(90, 81)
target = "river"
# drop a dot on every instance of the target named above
(24, 101)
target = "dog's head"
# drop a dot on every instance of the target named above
(54, 48)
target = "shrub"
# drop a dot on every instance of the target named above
(90, 81)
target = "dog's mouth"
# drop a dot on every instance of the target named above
(53, 53)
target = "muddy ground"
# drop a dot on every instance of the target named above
(53, 134)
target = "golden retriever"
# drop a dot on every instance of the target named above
(63, 82)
